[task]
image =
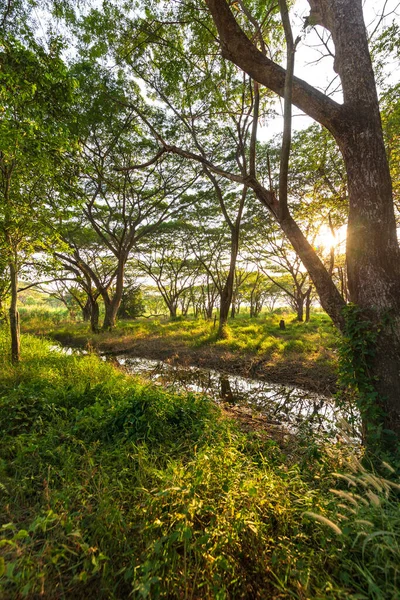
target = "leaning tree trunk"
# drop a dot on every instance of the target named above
(14, 315)
(373, 257)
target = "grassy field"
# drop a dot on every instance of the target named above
(115, 489)
(303, 353)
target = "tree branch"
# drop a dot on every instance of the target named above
(143, 165)
(287, 112)
(236, 47)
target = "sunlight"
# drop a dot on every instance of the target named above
(325, 240)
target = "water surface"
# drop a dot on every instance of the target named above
(280, 404)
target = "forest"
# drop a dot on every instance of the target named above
(199, 299)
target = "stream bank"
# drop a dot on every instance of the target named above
(298, 371)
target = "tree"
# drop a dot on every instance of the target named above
(132, 305)
(213, 248)
(218, 116)
(66, 294)
(260, 291)
(92, 267)
(170, 263)
(35, 92)
(372, 246)
(121, 203)
(275, 258)
(153, 301)
(204, 295)
(241, 275)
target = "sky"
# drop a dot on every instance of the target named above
(321, 74)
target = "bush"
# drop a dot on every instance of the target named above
(132, 304)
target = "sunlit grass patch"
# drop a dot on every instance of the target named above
(294, 347)
(270, 345)
(311, 344)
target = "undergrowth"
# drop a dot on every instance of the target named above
(112, 488)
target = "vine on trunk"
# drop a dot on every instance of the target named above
(357, 384)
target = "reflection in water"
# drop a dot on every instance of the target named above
(226, 393)
(291, 406)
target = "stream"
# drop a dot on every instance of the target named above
(284, 405)
(291, 407)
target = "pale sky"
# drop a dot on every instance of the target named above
(321, 74)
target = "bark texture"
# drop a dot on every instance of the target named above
(373, 263)
(112, 304)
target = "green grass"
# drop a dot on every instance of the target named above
(307, 342)
(113, 489)
(39, 317)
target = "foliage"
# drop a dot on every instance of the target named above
(132, 304)
(113, 488)
(357, 349)
(36, 92)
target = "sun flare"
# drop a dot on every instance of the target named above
(325, 240)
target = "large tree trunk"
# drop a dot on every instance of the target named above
(14, 315)
(87, 310)
(373, 258)
(94, 315)
(112, 305)
(372, 249)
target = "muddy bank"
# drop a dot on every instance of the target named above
(306, 374)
